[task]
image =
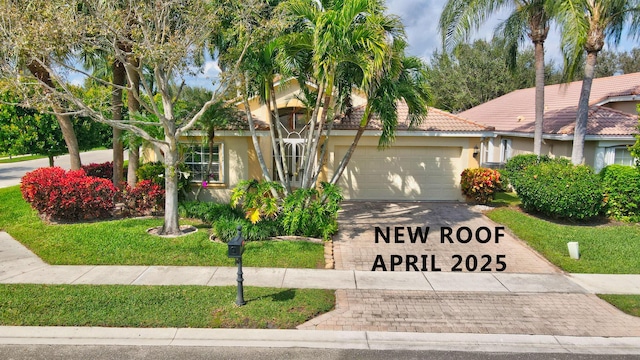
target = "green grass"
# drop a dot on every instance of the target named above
(629, 304)
(159, 306)
(505, 199)
(20, 158)
(125, 242)
(604, 249)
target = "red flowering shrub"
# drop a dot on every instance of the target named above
(479, 185)
(145, 198)
(103, 170)
(36, 186)
(68, 196)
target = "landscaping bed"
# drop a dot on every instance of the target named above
(126, 242)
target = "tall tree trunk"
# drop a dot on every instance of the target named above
(274, 141)
(313, 151)
(306, 158)
(366, 117)
(539, 122)
(276, 121)
(582, 117)
(254, 139)
(134, 106)
(119, 80)
(171, 225)
(41, 73)
(134, 160)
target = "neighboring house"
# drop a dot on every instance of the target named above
(613, 122)
(424, 163)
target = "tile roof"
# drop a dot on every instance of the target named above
(436, 120)
(515, 112)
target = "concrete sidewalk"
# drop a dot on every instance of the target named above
(19, 265)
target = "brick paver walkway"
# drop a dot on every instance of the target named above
(355, 247)
(481, 313)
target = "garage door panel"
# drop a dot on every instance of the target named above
(402, 173)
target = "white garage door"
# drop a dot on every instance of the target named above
(402, 173)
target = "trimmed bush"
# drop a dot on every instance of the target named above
(208, 212)
(144, 199)
(621, 186)
(514, 166)
(560, 190)
(68, 196)
(480, 184)
(102, 170)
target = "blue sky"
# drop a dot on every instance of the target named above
(420, 18)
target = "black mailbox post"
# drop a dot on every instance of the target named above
(235, 250)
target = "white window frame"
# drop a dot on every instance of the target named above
(505, 150)
(196, 176)
(624, 148)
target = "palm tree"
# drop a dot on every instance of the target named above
(336, 33)
(586, 25)
(403, 79)
(529, 17)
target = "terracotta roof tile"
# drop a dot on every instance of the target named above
(515, 111)
(436, 120)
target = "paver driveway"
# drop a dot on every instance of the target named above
(355, 247)
(553, 312)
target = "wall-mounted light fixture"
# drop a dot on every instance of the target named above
(476, 151)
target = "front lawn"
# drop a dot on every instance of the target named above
(125, 242)
(604, 249)
(159, 306)
(629, 304)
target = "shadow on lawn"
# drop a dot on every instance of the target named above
(284, 295)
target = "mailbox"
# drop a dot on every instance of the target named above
(236, 245)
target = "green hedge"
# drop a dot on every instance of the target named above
(560, 190)
(517, 164)
(621, 186)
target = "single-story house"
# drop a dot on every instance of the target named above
(613, 121)
(424, 162)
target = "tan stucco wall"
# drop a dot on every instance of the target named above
(624, 106)
(553, 148)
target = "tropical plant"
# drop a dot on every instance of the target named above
(530, 18)
(586, 26)
(480, 184)
(258, 199)
(402, 80)
(333, 40)
(312, 212)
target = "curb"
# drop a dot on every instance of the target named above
(365, 340)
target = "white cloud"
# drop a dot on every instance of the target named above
(420, 18)
(211, 70)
